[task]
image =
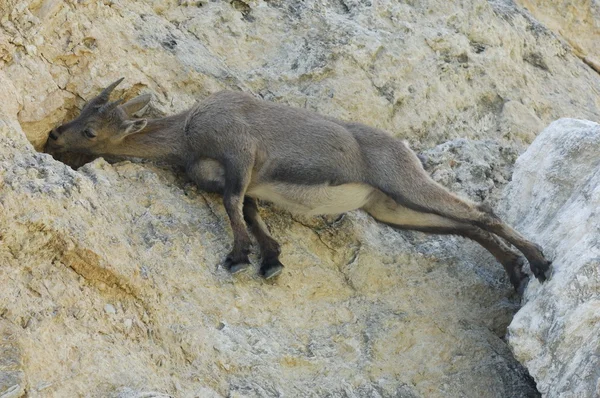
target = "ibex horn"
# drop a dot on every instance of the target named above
(105, 94)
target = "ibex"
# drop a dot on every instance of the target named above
(246, 149)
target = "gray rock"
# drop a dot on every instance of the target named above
(477, 170)
(554, 198)
(12, 377)
(110, 309)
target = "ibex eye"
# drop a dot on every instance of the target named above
(89, 133)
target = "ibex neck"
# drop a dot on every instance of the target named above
(161, 139)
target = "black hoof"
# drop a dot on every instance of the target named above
(542, 270)
(270, 269)
(235, 267)
(520, 289)
(548, 273)
(516, 275)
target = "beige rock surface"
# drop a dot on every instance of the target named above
(577, 22)
(428, 70)
(110, 287)
(109, 284)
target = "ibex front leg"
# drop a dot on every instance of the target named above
(209, 175)
(238, 170)
(269, 248)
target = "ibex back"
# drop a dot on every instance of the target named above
(248, 149)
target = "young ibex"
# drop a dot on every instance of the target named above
(248, 149)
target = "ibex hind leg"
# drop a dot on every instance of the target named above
(399, 174)
(386, 210)
(540, 266)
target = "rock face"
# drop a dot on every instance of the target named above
(110, 287)
(555, 197)
(429, 70)
(575, 21)
(108, 276)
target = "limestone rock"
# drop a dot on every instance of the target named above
(12, 383)
(475, 169)
(428, 71)
(574, 21)
(109, 273)
(360, 310)
(555, 196)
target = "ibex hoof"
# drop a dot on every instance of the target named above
(542, 270)
(548, 272)
(235, 267)
(271, 268)
(520, 289)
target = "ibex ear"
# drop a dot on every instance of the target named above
(136, 104)
(133, 127)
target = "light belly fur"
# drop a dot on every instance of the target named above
(314, 200)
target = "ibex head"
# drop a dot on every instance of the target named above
(100, 126)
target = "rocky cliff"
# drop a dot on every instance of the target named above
(555, 196)
(576, 22)
(111, 287)
(108, 274)
(429, 70)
